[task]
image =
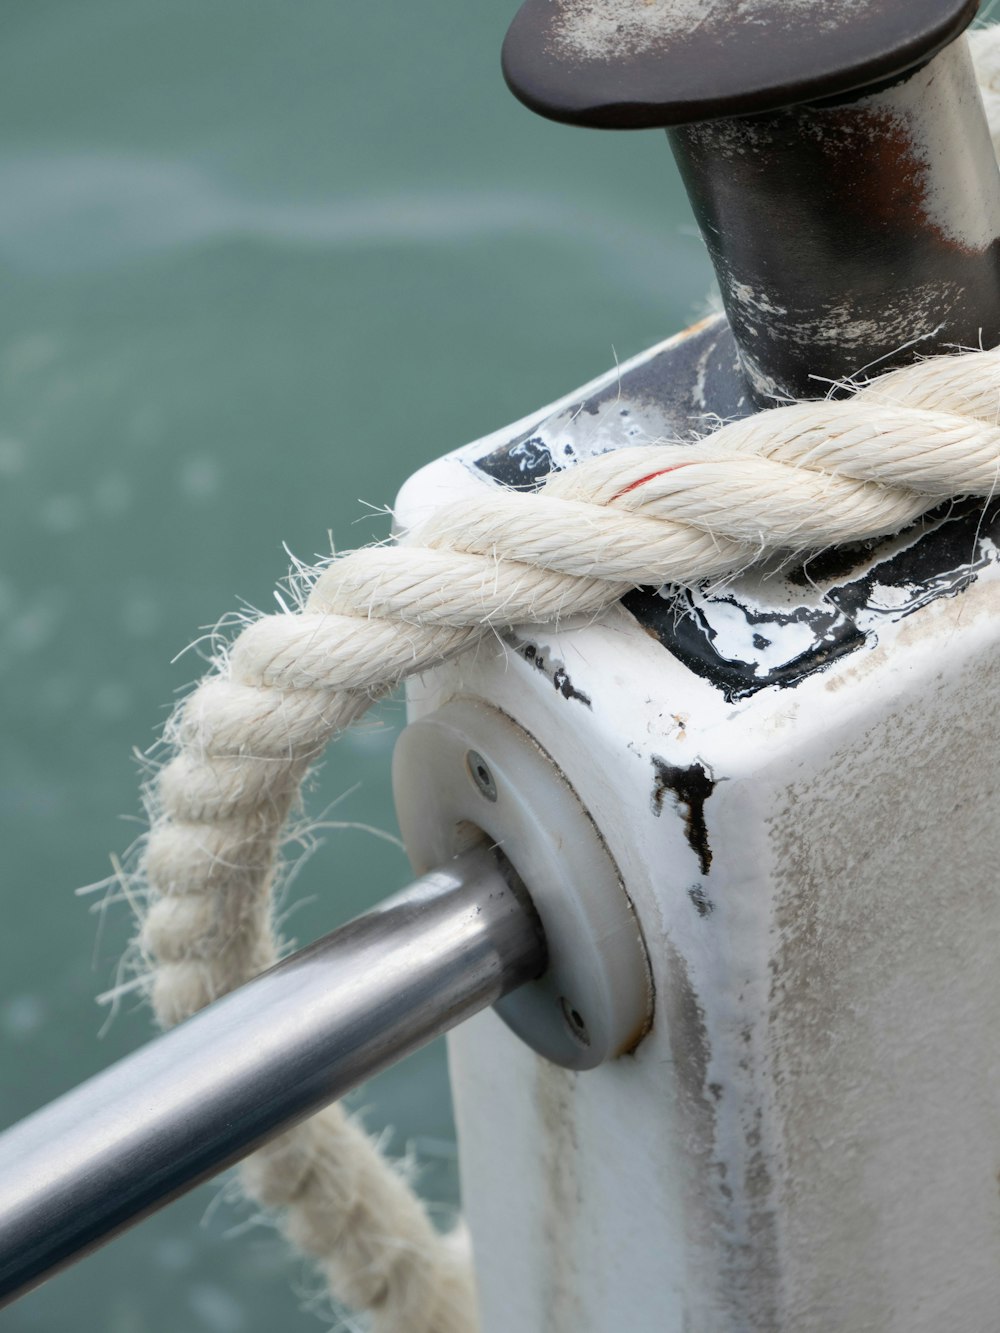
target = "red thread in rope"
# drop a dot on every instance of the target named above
(634, 485)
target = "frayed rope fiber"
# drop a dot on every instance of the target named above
(794, 479)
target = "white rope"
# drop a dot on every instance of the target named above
(795, 479)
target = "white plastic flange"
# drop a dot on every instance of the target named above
(469, 770)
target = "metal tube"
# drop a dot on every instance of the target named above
(257, 1061)
(853, 235)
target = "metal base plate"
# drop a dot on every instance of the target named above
(469, 770)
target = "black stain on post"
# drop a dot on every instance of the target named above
(950, 547)
(555, 671)
(690, 788)
(703, 903)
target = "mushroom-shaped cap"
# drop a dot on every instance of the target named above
(634, 64)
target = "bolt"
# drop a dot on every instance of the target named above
(481, 775)
(574, 1020)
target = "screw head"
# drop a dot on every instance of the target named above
(574, 1021)
(481, 776)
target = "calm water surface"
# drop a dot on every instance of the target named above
(260, 261)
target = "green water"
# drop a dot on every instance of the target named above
(260, 261)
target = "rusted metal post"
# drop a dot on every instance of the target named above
(837, 159)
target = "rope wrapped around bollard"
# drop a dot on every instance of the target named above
(794, 479)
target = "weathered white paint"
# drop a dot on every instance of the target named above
(596, 29)
(809, 1138)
